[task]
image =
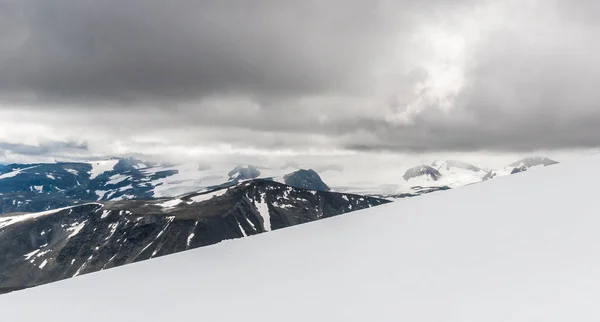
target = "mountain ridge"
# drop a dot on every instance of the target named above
(37, 248)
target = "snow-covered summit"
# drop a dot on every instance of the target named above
(440, 175)
(447, 174)
(533, 162)
(525, 164)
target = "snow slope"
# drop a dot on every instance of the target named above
(99, 167)
(459, 255)
(459, 173)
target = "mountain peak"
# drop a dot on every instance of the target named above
(306, 179)
(244, 172)
(533, 162)
(422, 170)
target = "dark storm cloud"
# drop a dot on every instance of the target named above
(363, 75)
(113, 49)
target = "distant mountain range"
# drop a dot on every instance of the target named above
(59, 220)
(444, 175)
(39, 187)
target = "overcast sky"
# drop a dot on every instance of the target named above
(189, 79)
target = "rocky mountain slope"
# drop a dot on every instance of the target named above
(37, 248)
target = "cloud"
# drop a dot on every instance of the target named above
(304, 76)
(155, 50)
(43, 149)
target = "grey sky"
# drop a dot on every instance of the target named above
(298, 77)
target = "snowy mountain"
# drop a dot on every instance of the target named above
(534, 162)
(99, 180)
(525, 164)
(40, 187)
(423, 172)
(530, 163)
(451, 173)
(448, 174)
(37, 248)
(440, 175)
(456, 256)
(462, 172)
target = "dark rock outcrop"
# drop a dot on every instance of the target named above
(306, 179)
(423, 170)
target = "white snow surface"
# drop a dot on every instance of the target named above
(117, 178)
(72, 171)
(208, 196)
(189, 177)
(10, 220)
(15, 172)
(99, 167)
(105, 214)
(29, 255)
(170, 203)
(508, 169)
(101, 193)
(263, 210)
(75, 229)
(456, 176)
(517, 248)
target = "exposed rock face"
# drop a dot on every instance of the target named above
(422, 171)
(306, 179)
(519, 169)
(45, 247)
